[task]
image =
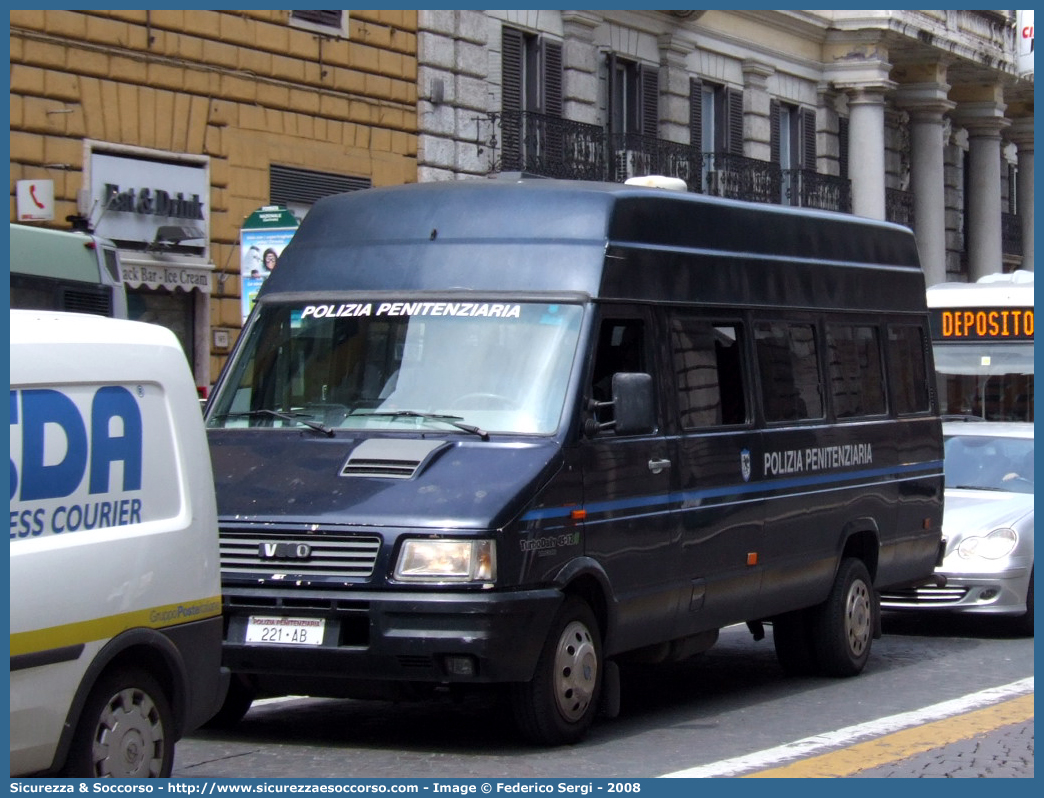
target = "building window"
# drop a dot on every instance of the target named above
(792, 146)
(634, 91)
(330, 23)
(715, 126)
(299, 189)
(531, 101)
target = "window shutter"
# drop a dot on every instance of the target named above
(696, 113)
(552, 78)
(734, 120)
(808, 139)
(512, 48)
(842, 146)
(650, 108)
(329, 19)
(774, 155)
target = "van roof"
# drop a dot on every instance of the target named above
(47, 253)
(606, 240)
(56, 327)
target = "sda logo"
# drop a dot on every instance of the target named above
(49, 467)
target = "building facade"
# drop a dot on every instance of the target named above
(918, 117)
(165, 130)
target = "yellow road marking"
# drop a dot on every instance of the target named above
(903, 744)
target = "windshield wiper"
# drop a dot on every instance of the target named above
(297, 418)
(456, 421)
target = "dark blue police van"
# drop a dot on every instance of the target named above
(518, 432)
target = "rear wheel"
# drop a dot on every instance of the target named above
(126, 730)
(843, 628)
(561, 701)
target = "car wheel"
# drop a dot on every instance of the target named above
(1024, 623)
(843, 628)
(558, 705)
(126, 730)
(792, 638)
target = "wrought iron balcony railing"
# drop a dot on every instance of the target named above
(1011, 234)
(809, 189)
(899, 207)
(554, 147)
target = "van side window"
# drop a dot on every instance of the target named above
(907, 372)
(621, 348)
(854, 364)
(789, 367)
(708, 370)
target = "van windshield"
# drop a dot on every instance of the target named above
(409, 365)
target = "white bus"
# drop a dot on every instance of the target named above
(982, 334)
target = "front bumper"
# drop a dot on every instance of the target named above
(391, 636)
(996, 593)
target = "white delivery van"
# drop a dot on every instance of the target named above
(115, 594)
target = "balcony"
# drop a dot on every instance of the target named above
(553, 147)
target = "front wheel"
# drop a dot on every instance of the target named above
(558, 705)
(844, 624)
(126, 730)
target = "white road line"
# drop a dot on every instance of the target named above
(852, 734)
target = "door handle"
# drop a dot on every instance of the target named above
(656, 466)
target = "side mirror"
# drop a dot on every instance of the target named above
(633, 410)
(633, 404)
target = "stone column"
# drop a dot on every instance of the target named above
(984, 121)
(1022, 134)
(926, 104)
(861, 72)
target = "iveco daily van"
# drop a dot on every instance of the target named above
(517, 432)
(115, 589)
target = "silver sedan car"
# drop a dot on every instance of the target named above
(988, 526)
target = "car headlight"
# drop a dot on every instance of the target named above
(999, 543)
(447, 560)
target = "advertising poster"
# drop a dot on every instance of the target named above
(265, 234)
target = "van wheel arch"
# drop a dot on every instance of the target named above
(141, 649)
(862, 540)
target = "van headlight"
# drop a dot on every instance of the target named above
(447, 560)
(999, 543)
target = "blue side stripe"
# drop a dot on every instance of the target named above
(654, 502)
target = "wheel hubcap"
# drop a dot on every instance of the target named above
(576, 671)
(857, 617)
(129, 738)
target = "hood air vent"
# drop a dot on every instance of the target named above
(389, 458)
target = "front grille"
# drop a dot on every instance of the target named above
(341, 556)
(923, 596)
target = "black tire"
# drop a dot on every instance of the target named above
(126, 730)
(843, 626)
(237, 703)
(559, 704)
(792, 638)
(1024, 623)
